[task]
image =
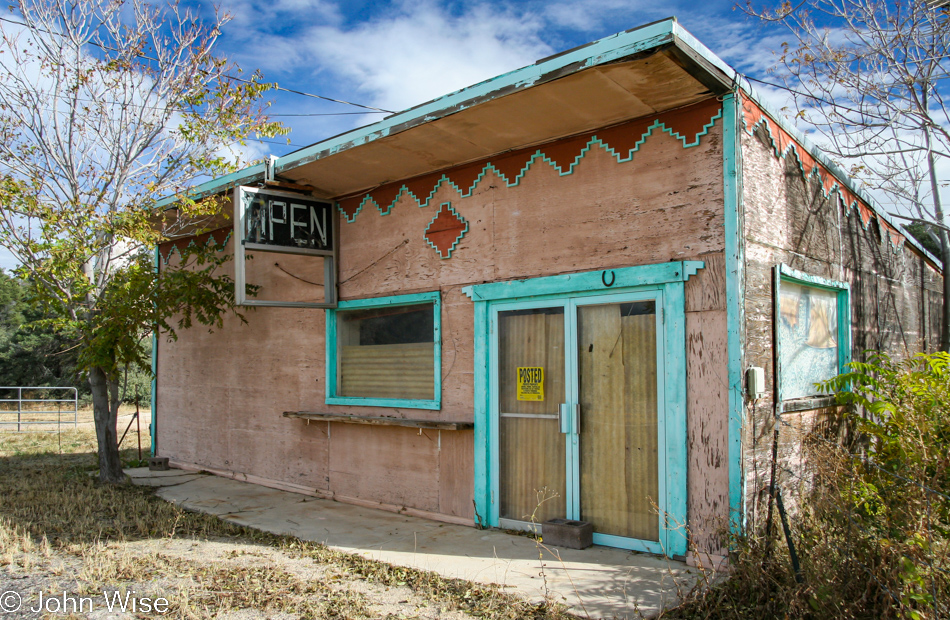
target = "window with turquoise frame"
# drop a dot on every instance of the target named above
(813, 331)
(385, 352)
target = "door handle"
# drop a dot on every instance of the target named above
(569, 416)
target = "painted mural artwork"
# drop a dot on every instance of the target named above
(808, 332)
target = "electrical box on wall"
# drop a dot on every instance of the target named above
(755, 382)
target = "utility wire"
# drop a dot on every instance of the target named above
(232, 77)
(123, 104)
(813, 97)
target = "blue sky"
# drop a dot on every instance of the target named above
(394, 55)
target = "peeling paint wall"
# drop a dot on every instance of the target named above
(894, 291)
(221, 395)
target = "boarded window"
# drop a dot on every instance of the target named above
(387, 352)
(808, 333)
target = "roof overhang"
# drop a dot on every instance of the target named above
(643, 71)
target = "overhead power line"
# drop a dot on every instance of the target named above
(231, 77)
(819, 99)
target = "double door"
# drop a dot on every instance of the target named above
(577, 415)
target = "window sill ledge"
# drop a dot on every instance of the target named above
(379, 420)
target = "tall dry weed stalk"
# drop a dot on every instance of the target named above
(872, 525)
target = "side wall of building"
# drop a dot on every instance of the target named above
(221, 395)
(791, 218)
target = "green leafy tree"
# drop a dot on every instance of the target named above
(105, 106)
(31, 353)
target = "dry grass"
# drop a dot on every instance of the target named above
(60, 530)
(66, 416)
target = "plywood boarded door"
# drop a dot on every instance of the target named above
(531, 382)
(578, 402)
(618, 435)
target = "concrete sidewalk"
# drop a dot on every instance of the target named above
(597, 582)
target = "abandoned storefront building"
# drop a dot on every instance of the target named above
(551, 285)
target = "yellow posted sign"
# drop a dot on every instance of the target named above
(531, 383)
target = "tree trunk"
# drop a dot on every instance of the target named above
(105, 411)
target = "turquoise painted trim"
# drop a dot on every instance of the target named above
(665, 283)
(152, 427)
(451, 249)
(246, 176)
(483, 458)
(674, 520)
(603, 51)
(537, 156)
(806, 278)
(784, 273)
(776, 340)
(623, 277)
(331, 397)
(735, 302)
(631, 544)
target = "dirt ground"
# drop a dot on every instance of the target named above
(71, 547)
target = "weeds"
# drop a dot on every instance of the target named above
(872, 525)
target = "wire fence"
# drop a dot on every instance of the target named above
(26, 408)
(837, 486)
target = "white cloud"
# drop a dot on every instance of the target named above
(417, 52)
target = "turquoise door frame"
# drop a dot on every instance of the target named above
(572, 437)
(666, 282)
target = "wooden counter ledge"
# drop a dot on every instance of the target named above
(380, 420)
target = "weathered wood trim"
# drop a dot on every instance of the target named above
(379, 420)
(809, 404)
(153, 427)
(483, 425)
(784, 273)
(676, 463)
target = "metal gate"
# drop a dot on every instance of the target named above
(38, 406)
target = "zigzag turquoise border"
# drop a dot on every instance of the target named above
(836, 187)
(208, 243)
(451, 249)
(537, 155)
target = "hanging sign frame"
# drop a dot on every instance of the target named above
(268, 220)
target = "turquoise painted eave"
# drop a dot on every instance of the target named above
(599, 52)
(607, 50)
(251, 174)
